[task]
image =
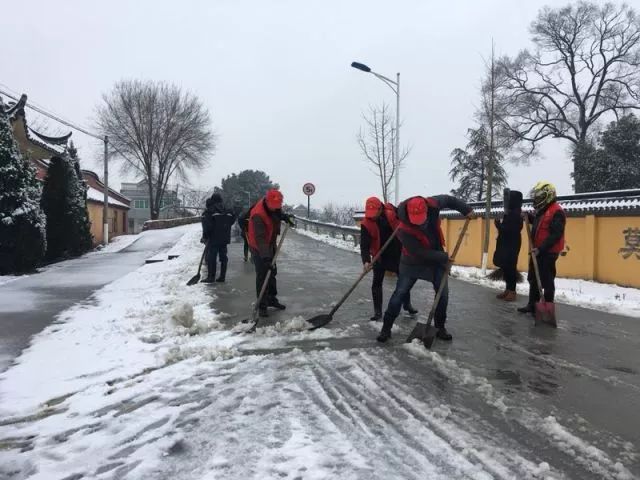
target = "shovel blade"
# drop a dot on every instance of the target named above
(195, 279)
(319, 321)
(424, 332)
(546, 313)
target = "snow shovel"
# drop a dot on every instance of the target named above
(321, 320)
(545, 312)
(255, 318)
(424, 330)
(196, 278)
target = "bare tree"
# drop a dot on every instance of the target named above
(377, 142)
(585, 66)
(158, 130)
(194, 200)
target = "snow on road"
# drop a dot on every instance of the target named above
(148, 381)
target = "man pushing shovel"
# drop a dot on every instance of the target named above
(423, 256)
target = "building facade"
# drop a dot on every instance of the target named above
(140, 212)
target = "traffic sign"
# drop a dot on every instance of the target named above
(308, 189)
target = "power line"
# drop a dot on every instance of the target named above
(33, 106)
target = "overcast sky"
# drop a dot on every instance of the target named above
(276, 78)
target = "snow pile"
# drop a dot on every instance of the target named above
(118, 243)
(183, 315)
(335, 242)
(581, 293)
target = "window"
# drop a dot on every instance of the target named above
(141, 204)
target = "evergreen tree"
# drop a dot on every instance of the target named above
(64, 202)
(237, 189)
(22, 224)
(615, 163)
(469, 167)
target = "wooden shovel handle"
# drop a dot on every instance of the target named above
(534, 260)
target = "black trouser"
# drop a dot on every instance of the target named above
(547, 267)
(376, 289)
(510, 276)
(215, 251)
(261, 272)
(246, 246)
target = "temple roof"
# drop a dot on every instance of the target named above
(33, 144)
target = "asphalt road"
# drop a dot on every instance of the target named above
(584, 376)
(29, 304)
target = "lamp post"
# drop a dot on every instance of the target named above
(395, 86)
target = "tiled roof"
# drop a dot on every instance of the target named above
(615, 202)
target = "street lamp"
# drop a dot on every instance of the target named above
(395, 86)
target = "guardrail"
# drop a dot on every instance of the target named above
(335, 231)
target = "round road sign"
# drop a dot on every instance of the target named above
(308, 189)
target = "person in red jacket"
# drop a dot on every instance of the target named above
(380, 220)
(423, 256)
(547, 230)
(262, 232)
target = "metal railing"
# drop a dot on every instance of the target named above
(335, 231)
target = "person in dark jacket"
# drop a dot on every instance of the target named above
(508, 243)
(547, 231)
(380, 220)
(262, 233)
(243, 223)
(216, 231)
(423, 256)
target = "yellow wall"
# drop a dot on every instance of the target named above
(115, 227)
(592, 248)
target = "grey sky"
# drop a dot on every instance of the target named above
(276, 78)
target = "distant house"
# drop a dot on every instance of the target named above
(170, 204)
(38, 149)
(300, 211)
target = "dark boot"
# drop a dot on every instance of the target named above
(385, 332)
(410, 310)
(208, 280)
(376, 316)
(273, 302)
(528, 308)
(442, 334)
(223, 273)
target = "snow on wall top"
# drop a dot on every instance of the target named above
(97, 196)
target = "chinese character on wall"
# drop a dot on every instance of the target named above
(631, 243)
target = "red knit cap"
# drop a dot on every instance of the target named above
(417, 210)
(372, 207)
(274, 199)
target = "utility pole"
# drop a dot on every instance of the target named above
(105, 207)
(491, 159)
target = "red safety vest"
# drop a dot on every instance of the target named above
(374, 229)
(269, 224)
(419, 234)
(543, 229)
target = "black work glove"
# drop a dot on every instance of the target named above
(288, 219)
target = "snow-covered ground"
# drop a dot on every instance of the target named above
(147, 380)
(582, 293)
(119, 243)
(328, 239)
